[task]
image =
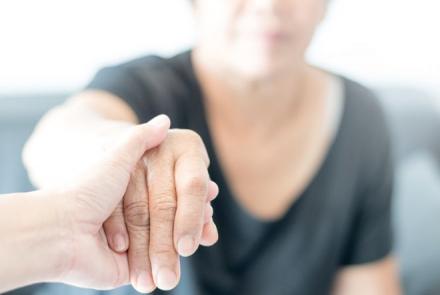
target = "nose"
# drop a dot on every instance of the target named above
(267, 6)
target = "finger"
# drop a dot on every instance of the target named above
(138, 225)
(121, 160)
(213, 191)
(162, 204)
(209, 235)
(192, 180)
(140, 139)
(209, 213)
(116, 230)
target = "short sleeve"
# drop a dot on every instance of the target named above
(123, 82)
(150, 85)
(371, 236)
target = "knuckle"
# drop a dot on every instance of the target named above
(164, 250)
(164, 208)
(153, 153)
(138, 232)
(194, 137)
(139, 250)
(116, 215)
(198, 146)
(136, 214)
(193, 142)
(185, 134)
(158, 157)
(195, 185)
(191, 134)
(115, 218)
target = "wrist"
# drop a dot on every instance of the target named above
(62, 234)
(34, 239)
(49, 233)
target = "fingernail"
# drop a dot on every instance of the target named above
(166, 279)
(159, 121)
(186, 246)
(144, 284)
(119, 243)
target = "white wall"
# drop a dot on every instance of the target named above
(53, 45)
(383, 41)
(57, 45)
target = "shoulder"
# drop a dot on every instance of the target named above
(158, 71)
(363, 102)
(365, 132)
(150, 84)
(364, 112)
(364, 158)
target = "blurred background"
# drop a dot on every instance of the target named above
(49, 49)
(58, 45)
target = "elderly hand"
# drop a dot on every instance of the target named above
(166, 211)
(90, 201)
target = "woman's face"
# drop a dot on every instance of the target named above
(257, 38)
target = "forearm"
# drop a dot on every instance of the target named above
(34, 239)
(65, 142)
(373, 278)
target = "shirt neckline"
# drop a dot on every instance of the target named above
(215, 167)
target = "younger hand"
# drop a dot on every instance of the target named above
(93, 198)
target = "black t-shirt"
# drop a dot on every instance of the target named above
(342, 218)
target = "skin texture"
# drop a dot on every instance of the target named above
(146, 217)
(59, 231)
(249, 53)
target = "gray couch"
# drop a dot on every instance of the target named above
(413, 122)
(18, 116)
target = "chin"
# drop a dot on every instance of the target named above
(260, 67)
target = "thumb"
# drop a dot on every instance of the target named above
(106, 182)
(133, 145)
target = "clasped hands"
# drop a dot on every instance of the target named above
(146, 202)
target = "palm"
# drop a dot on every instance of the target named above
(95, 264)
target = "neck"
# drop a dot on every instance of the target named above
(250, 102)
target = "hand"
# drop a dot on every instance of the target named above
(166, 211)
(93, 198)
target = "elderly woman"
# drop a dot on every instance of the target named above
(301, 157)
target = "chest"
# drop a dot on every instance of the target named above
(267, 176)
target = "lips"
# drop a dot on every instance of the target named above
(267, 32)
(274, 36)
